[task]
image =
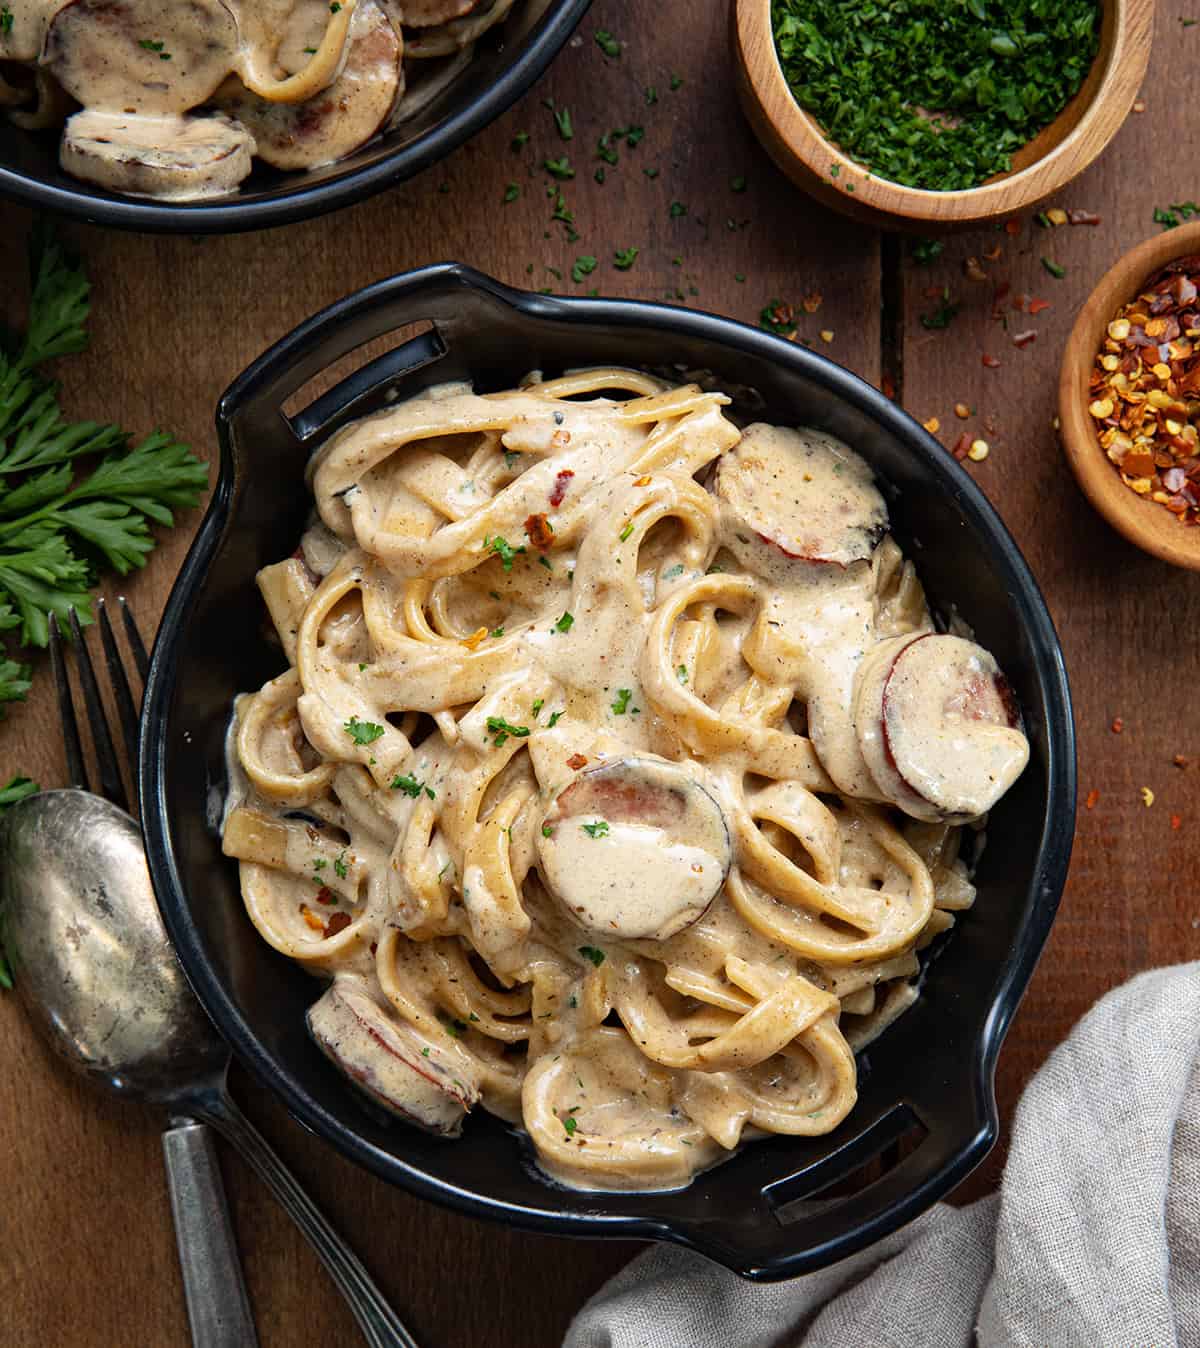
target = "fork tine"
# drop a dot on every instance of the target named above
(126, 709)
(110, 773)
(76, 770)
(134, 637)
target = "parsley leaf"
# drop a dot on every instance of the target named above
(362, 732)
(621, 704)
(565, 623)
(500, 729)
(16, 790)
(589, 952)
(607, 43)
(597, 830)
(503, 549)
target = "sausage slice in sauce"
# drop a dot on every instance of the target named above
(141, 56)
(801, 492)
(390, 1062)
(950, 726)
(169, 158)
(635, 849)
(338, 120)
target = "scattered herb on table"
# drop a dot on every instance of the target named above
(926, 251)
(607, 43)
(778, 318)
(511, 192)
(624, 258)
(935, 96)
(943, 315)
(1173, 215)
(60, 526)
(16, 790)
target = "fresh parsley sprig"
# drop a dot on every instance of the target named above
(59, 526)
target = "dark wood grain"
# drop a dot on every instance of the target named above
(87, 1246)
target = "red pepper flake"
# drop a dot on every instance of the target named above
(973, 271)
(313, 922)
(1092, 798)
(1176, 822)
(1180, 761)
(560, 486)
(887, 386)
(1012, 228)
(576, 761)
(994, 253)
(1036, 306)
(1020, 302)
(812, 302)
(338, 922)
(540, 531)
(1022, 339)
(962, 446)
(1117, 725)
(326, 895)
(990, 362)
(1078, 217)
(560, 439)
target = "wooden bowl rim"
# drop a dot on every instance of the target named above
(1143, 522)
(1123, 74)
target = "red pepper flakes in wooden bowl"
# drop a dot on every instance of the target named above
(1144, 392)
(1129, 396)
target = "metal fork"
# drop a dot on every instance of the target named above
(212, 1271)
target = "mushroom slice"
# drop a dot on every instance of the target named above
(389, 1061)
(635, 849)
(141, 56)
(168, 158)
(269, 29)
(341, 118)
(802, 493)
(951, 726)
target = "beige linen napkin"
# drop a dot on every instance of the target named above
(1093, 1240)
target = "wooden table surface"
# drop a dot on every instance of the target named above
(86, 1246)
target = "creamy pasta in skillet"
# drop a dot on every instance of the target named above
(617, 774)
(175, 100)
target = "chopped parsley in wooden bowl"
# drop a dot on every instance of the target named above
(939, 111)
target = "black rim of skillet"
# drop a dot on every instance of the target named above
(291, 204)
(1044, 887)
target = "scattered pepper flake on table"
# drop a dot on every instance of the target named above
(1144, 390)
(1176, 822)
(990, 362)
(1093, 798)
(1147, 797)
(962, 411)
(933, 425)
(1180, 761)
(1117, 725)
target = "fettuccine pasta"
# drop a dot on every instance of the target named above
(617, 774)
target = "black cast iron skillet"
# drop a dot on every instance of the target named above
(780, 1207)
(505, 63)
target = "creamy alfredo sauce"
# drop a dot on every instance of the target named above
(612, 780)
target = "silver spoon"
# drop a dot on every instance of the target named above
(100, 979)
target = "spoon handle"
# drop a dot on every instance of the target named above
(217, 1305)
(380, 1326)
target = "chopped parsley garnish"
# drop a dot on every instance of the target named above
(935, 96)
(605, 151)
(502, 729)
(570, 1125)
(676, 209)
(425, 1051)
(624, 534)
(676, 82)
(597, 830)
(559, 168)
(411, 787)
(547, 830)
(6, 20)
(737, 184)
(497, 631)
(634, 135)
(572, 1001)
(624, 258)
(519, 141)
(503, 549)
(511, 192)
(319, 864)
(340, 867)
(607, 43)
(589, 952)
(545, 561)
(1054, 268)
(554, 715)
(681, 673)
(943, 315)
(362, 732)
(584, 266)
(537, 707)
(562, 119)
(1170, 216)
(565, 623)
(651, 94)
(925, 251)
(621, 704)
(148, 44)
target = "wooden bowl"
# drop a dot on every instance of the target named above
(1143, 522)
(1047, 163)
